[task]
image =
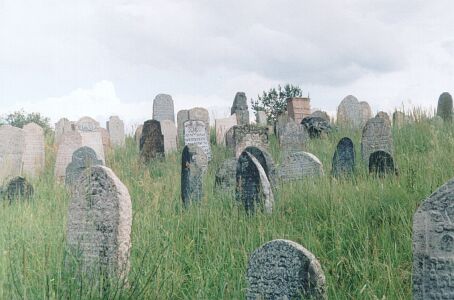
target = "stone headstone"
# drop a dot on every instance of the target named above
(70, 142)
(384, 116)
(105, 137)
(366, 112)
(200, 114)
(222, 126)
(349, 112)
(93, 139)
(299, 165)
(138, 134)
(116, 129)
(61, 127)
(34, 154)
(82, 159)
(266, 161)
(283, 269)
(195, 133)
(399, 119)
(163, 108)
(12, 147)
(151, 142)
(321, 114)
(225, 175)
(376, 136)
(344, 158)
(253, 188)
(87, 124)
(99, 223)
(444, 108)
(194, 164)
(240, 109)
(381, 163)
(247, 135)
(293, 137)
(182, 117)
(298, 108)
(316, 126)
(260, 118)
(169, 131)
(18, 188)
(282, 119)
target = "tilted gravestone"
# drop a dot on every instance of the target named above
(195, 133)
(182, 117)
(376, 136)
(163, 108)
(433, 246)
(282, 269)
(12, 147)
(151, 142)
(444, 108)
(299, 165)
(260, 118)
(381, 163)
(321, 114)
(366, 112)
(222, 126)
(82, 159)
(70, 142)
(316, 126)
(240, 109)
(138, 134)
(18, 188)
(225, 175)
(293, 137)
(194, 164)
(244, 136)
(169, 131)
(265, 160)
(298, 108)
(34, 154)
(344, 158)
(399, 119)
(61, 127)
(349, 112)
(116, 129)
(253, 188)
(99, 223)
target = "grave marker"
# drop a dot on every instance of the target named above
(151, 141)
(222, 127)
(33, 157)
(299, 165)
(240, 109)
(444, 108)
(344, 158)
(169, 131)
(12, 149)
(349, 112)
(376, 136)
(163, 108)
(116, 129)
(195, 133)
(298, 108)
(194, 164)
(82, 159)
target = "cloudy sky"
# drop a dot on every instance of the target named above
(100, 58)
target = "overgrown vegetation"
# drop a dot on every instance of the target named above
(20, 118)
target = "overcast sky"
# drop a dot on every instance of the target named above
(100, 58)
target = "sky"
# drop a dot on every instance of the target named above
(100, 58)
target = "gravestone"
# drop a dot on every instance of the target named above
(93, 139)
(138, 134)
(349, 112)
(194, 164)
(12, 147)
(240, 109)
(282, 119)
(316, 126)
(282, 269)
(151, 142)
(222, 126)
(321, 114)
(298, 108)
(163, 108)
(293, 137)
(116, 129)
(366, 112)
(260, 118)
(246, 135)
(87, 124)
(376, 136)
(105, 138)
(33, 157)
(444, 108)
(200, 114)
(70, 142)
(169, 131)
(182, 117)
(99, 223)
(61, 127)
(195, 133)
(18, 188)
(344, 158)
(381, 163)
(266, 161)
(225, 175)
(299, 165)
(82, 159)
(399, 119)
(433, 245)
(384, 116)
(253, 188)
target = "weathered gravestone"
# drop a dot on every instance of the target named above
(194, 164)
(169, 131)
(182, 117)
(366, 112)
(222, 126)
(61, 127)
(260, 118)
(253, 188)
(151, 142)
(70, 142)
(87, 124)
(240, 137)
(105, 138)
(384, 116)
(225, 175)
(91, 135)
(282, 119)
(376, 136)
(344, 158)
(18, 188)
(381, 163)
(316, 126)
(299, 165)
(163, 108)
(321, 114)
(444, 108)
(349, 112)
(265, 160)
(195, 133)
(116, 129)
(138, 134)
(99, 224)
(33, 157)
(399, 119)
(298, 108)
(433, 246)
(293, 137)
(82, 159)
(200, 114)
(12, 147)
(282, 269)
(240, 109)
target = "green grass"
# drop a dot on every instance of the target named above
(359, 229)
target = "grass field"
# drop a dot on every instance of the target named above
(359, 229)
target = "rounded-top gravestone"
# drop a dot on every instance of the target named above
(18, 188)
(344, 158)
(321, 114)
(299, 165)
(349, 112)
(163, 108)
(266, 161)
(444, 108)
(34, 153)
(116, 129)
(82, 158)
(366, 112)
(151, 141)
(381, 163)
(376, 136)
(87, 124)
(194, 164)
(240, 108)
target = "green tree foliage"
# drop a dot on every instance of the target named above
(274, 102)
(21, 118)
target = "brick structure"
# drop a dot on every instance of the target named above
(298, 108)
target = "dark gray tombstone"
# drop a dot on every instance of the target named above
(151, 141)
(266, 161)
(82, 158)
(225, 175)
(381, 163)
(163, 108)
(344, 158)
(444, 108)
(194, 164)
(316, 126)
(18, 188)
(283, 269)
(240, 108)
(300, 165)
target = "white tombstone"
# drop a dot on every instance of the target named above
(12, 148)
(70, 142)
(34, 154)
(116, 129)
(170, 133)
(195, 133)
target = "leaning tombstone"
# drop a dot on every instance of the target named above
(99, 224)
(82, 159)
(349, 112)
(182, 117)
(194, 164)
(240, 108)
(376, 136)
(282, 269)
(266, 161)
(33, 157)
(116, 129)
(12, 149)
(222, 126)
(444, 108)
(244, 136)
(299, 165)
(61, 127)
(70, 142)
(138, 134)
(293, 137)
(163, 108)
(169, 131)
(344, 158)
(18, 188)
(195, 133)
(298, 108)
(366, 112)
(381, 163)
(316, 126)
(260, 118)
(225, 175)
(151, 141)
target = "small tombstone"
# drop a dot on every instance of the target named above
(298, 108)
(433, 245)
(283, 269)
(194, 164)
(399, 119)
(163, 108)
(247, 135)
(260, 118)
(93, 139)
(61, 127)
(87, 124)
(293, 137)
(252, 185)
(444, 108)
(33, 157)
(381, 163)
(265, 160)
(316, 126)
(18, 188)
(169, 131)
(195, 133)
(105, 138)
(138, 134)
(225, 175)
(151, 141)
(70, 142)
(321, 114)
(82, 159)
(12, 147)
(182, 117)
(349, 112)
(116, 129)
(299, 165)
(99, 223)
(376, 136)
(384, 116)
(200, 114)
(222, 126)
(344, 158)
(240, 109)
(366, 112)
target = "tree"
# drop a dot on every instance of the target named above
(274, 102)
(21, 118)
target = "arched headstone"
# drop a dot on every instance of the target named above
(61, 127)
(194, 164)
(240, 137)
(299, 165)
(381, 163)
(151, 141)
(384, 116)
(366, 112)
(321, 114)
(349, 112)
(18, 188)
(87, 124)
(163, 108)
(82, 159)
(200, 114)
(344, 158)
(444, 108)
(266, 161)
(376, 136)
